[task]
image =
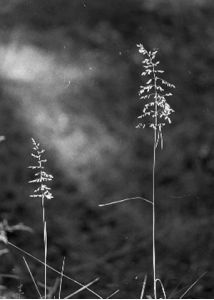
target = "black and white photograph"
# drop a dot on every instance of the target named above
(106, 149)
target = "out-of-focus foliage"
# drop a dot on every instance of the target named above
(70, 74)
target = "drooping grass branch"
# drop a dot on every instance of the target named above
(156, 113)
(124, 200)
(42, 191)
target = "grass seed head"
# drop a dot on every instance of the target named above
(156, 112)
(41, 177)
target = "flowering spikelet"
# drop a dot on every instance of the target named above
(156, 112)
(40, 177)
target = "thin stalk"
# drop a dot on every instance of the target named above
(45, 242)
(61, 276)
(192, 285)
(153, 183)
(156, 112)
(114, 293)
(31, 275)
(153, 214)
(143, 287)
(82, 288)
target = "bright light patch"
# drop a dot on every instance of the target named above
(39, 81)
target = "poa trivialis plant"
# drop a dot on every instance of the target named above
(156, 114)
(42, 191)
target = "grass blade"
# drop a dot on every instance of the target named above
(143, 287)
(54, 270)
(124, 200)
(61, 276)
(82, 288)
(113, 294)
(192, 285)
(31, 275)
(162, 287)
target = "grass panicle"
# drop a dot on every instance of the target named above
(156, 111)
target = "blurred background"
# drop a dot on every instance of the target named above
(69, 77)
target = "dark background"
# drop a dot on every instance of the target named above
(69, 77)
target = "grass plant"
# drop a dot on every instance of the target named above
(156, 114)
(42, 191)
